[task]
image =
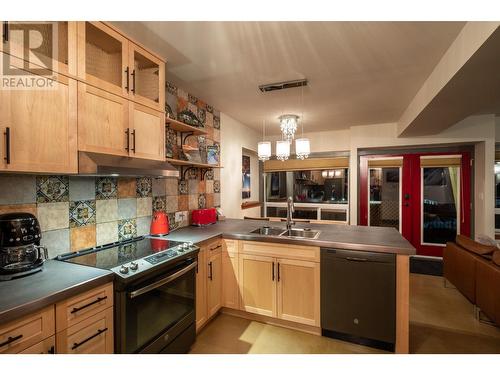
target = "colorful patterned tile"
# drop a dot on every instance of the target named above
(192, 174)
(172, 186)
(183, 202)
(216, 186)
(143, 225)
(209, 108)
(171, 89)
(8, 208)
(209, 175)
(210, 133)
(127, 208)
(126, 187)
(185, 221)
(56, 242)
(201, 186)
(216, 173)
(209, 186)
(202, 201)
(17, 189)
(193, 187)
(82, 237)
(159, 186)
(53, 215)
(82, 213)
(192, 99)
(170, 142)
(106, 233)
(193, 201)
(144, 187)
(209, 200)
(202, 115)
(106, 210)
(209, 122)
(181, 104)
(216, 122)
(159, 203)
(182, 94)
(144, 206)
(81, 188)
(50, 189)
(216, 135)
(217, 200)
(106, 188)
(127, 229)
(171, 204)
(183, 187)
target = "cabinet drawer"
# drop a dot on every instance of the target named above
(47, 346)
(79, 308)
(311, 253)
(90, 336)
(230, 246)
(27, 331)
(214, 248)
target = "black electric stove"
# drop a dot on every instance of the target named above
(154, 292)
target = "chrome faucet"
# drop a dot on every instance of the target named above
(289, 211)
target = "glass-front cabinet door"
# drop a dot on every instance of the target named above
(42, 45)
(147, 78)
(103, 57)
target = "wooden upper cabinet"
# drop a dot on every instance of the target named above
(53, 44)
(147, 78)
(39, 129)
(103, 57)
(147, 132)
(299, 291)
(103, 121)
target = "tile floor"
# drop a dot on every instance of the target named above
(441, 321)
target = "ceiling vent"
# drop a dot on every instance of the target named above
(283, 85)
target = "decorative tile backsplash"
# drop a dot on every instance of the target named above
(77, 212)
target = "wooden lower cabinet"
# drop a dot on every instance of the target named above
(230, 289)
(257, 284)
(214, 284)
(47, 346)
(298, 291)
(93, 335)
(201, 289)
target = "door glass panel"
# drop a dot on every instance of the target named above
(384, 197)
(276, 212)
(147, 79)
(440, 204)
(332, 214)
(103, 55)
(305, 213)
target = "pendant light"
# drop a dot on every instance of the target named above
(282, 150)
(264, 147)
(288, 126)
(302, 145)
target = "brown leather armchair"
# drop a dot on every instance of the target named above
(471, 268)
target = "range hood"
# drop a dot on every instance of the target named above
(96, 164)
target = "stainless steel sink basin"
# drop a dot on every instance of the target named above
(301, 233)
(292, 233)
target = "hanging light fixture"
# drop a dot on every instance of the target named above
(302, 145)
(282, 150)
(264, 147)
(288, 125)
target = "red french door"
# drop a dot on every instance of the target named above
(424, 196)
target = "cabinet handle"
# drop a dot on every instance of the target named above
(78, 344)
(133, 81)
(10, 340)
(210, 276)
(5, 32)
(272, 273)
(99, 299)
(278, 271)
(7, 145)
(52, 350)
(215, 248)
(133, 141)
(128, 79)
(127, 132)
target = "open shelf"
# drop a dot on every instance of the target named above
(183, 128)
(191, 163)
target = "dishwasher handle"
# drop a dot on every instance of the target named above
(356, 259)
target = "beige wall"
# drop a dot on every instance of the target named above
(234, 138)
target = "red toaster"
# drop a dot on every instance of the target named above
(204, 216)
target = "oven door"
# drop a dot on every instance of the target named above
(158, 310)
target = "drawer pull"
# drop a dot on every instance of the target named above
(215, 248)
(52, 350)
(99, 299)
(10, 340)
(78, 344)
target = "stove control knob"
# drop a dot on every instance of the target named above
(124, 270)
(185, 245)
(134, 266)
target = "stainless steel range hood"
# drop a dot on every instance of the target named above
(95, 164)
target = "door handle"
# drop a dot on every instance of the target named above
(279, 272)
(272, 273)
(133, 141)
(5, 32)
(127, 132)
(127, 79)
(7, 145)
(210, 275)
(133, 81)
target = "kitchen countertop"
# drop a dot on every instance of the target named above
(349, 237)
(56, 282)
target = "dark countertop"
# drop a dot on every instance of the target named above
(350, 237)
(56, 282)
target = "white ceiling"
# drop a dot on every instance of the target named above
(358, 72)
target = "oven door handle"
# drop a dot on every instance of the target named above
(166, 280)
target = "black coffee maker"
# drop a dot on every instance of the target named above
(20, 250)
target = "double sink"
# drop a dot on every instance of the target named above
(290, 233)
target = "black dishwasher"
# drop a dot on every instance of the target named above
(358, 297)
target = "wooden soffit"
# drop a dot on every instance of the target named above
(305, 165)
